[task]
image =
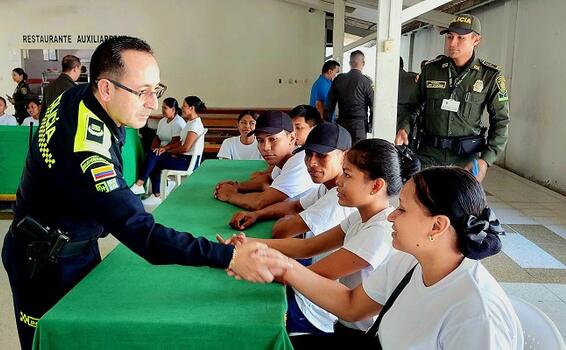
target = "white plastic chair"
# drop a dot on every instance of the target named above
(538, 330)
(196, 158)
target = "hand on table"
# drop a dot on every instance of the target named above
(223, 191)
(255, 262)
(243, 219)
(235, 240)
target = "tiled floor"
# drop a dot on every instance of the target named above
(531, 266)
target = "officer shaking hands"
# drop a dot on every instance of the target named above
(73, 192)
(455, 90)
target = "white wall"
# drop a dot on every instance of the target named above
(230, 53)
(527, 39)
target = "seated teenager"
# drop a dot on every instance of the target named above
(319, 210)
(305, 118)
(445, 298)
(6, 119)
(374, 171)
(167, 136)
(289, 178)
(33, 108)
(178, 156)
(241, 147)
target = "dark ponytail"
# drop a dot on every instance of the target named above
(20, 71)
(194, 101)
(381, 159)
(455, 193)
(172, 103)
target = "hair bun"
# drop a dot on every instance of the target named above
(481, 235)
(410, 164)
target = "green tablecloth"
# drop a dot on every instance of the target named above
(14, 141)
(126, 303)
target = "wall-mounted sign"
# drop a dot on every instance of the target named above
(64, 38)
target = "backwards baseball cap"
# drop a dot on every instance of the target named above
(464, 24)
(272, 122)
(327, 137)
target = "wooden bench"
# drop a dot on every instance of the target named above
(222, 123)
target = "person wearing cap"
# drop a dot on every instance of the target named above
(319, 210)
(455, 89)
(289, 178)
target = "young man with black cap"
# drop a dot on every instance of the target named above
(455, 89)
(319, 210)
(289, 178)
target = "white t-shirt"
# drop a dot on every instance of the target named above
(29, 120)
(322, 212)
(371, 241)
(167, 130)
(293, 179)
(8, 119)
(232, 148)
(465, 310)
(195, 126)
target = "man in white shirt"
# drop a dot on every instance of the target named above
(6, 119)
(289, 178)
(319, 210)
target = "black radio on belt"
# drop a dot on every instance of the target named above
(44, 246)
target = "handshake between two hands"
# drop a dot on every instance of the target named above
(255, 261)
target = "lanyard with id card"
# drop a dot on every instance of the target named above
(450, 104)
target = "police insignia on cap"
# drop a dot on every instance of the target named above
(478, 86)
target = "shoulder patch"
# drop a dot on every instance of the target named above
(490, 65)
(502, 95)
(88, 162)
(107, 186)
(103, 172)
(24, 90)
(92, 134)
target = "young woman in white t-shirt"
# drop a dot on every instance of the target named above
(33, 108)
(243, 147)
(6, 119)
(373, 171)
(442, 228)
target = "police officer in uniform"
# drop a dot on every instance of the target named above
(73, 191)
(21, 94)
(455, 90)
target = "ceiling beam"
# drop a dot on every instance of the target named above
(420, 8)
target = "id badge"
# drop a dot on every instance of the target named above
(450, 105)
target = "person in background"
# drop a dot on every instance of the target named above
(444, 297)
(353, 92)
(241, 147)
(168, 136)
(71, 70)
(21, 94)
(6, 119)
(305, 118)
(319, 90)
(34, 110)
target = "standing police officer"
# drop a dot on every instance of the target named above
(73, 191)
(455, 89)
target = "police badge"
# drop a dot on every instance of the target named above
(478, 86)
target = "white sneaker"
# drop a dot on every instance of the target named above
(137, 189)
(152, 200)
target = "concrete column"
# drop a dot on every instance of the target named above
(338, 31)
(387, 69)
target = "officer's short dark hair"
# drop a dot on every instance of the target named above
(311, 114)
(356, 54)
(106, 61)
(328, 65)
(69, 62)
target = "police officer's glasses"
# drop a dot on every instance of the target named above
(158, 91)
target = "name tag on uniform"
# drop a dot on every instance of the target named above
(450, 105)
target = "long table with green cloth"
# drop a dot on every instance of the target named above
(127, 303)
(14, 145)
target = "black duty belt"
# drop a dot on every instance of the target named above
(462, 145)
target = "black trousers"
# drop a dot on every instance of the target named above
(33, 298)
(355, 126)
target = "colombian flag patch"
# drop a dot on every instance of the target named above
(103, 172)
